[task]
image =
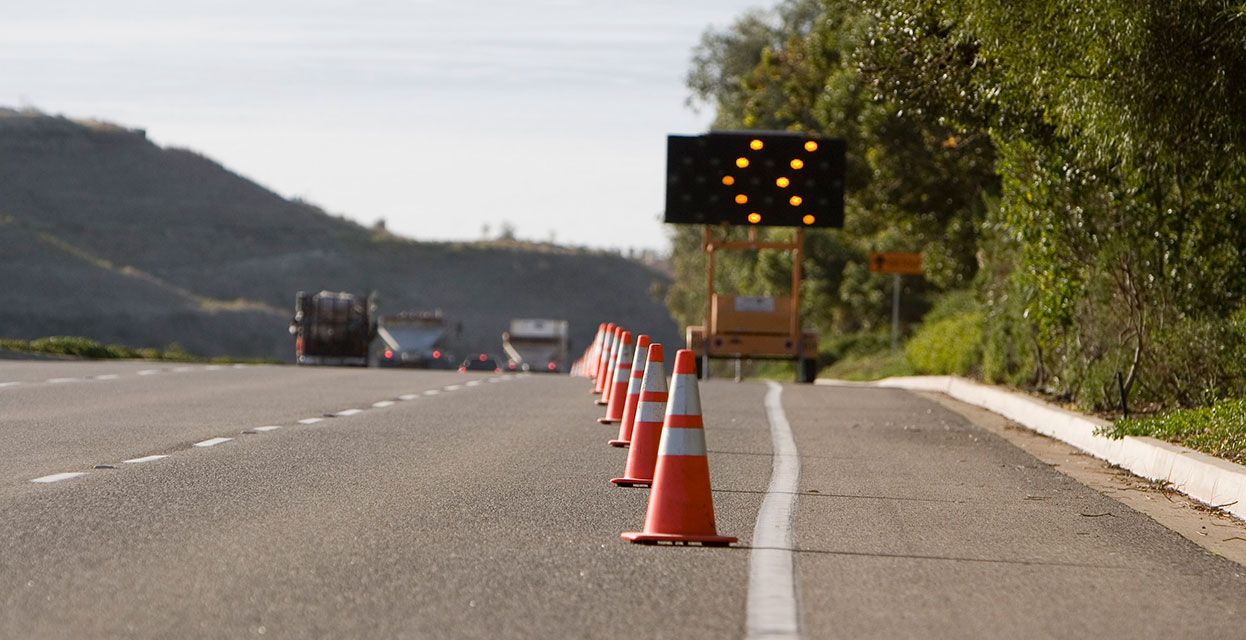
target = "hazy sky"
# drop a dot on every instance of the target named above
(439, 117)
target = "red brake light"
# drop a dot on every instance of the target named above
(551, 366)
(482, 357)
(511, 366)
(437, 355)
(389, 354)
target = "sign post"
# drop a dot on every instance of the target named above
(896, 264)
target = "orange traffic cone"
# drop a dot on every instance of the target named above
(592, 357)
(642, 453)
(616, 398)
(681, 508)
(632, 396)
(603, 369)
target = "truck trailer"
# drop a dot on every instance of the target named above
(333, 328)
(536, 345)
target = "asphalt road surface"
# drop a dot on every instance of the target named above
(417, 504)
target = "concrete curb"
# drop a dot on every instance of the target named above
(1205, 478)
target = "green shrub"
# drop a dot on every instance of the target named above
(950, 339)
(1219, 430)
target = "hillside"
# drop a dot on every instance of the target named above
(107, 235)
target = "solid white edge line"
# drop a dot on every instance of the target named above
(57, 477)
(771, 610)
(212, 442)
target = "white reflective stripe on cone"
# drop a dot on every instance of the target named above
(625, 356)
(682, 442)
(684, 398)
(650, 411)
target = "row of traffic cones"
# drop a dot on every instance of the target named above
(662, 430)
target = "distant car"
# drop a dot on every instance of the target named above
(415, 359)
(550, 367)
(481, 362)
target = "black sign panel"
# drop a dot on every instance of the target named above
(758, 178)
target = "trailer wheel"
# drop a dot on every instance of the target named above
(807, 371)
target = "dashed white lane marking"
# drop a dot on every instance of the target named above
(144, 459)
(8, 384)
(310, 420)
(382, 404)
(771, 610)
(61, 380)
(148, 372)
(432, 392)
(348, 412)
(408, 396)
(181, 369)
(212, 442)
(452, 387)
(107, 376)
(57, 477)
(493, 379)
(271, 427)
(213, 367)
(473, 383)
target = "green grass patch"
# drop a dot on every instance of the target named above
(777, 370)
(872, 366)
(80, 347)
(1219, 430)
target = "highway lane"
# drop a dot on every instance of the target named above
(486, 511)
(62, 417)
(481, 511)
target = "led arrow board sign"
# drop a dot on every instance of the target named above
(755, 178)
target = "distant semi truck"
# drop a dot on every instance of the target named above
(536, 345)
(333, 328)
(414, 339)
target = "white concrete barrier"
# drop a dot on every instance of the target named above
(1205, 478)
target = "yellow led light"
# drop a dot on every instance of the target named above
(783, 182)
(728, 180)
(796, 200)
(811, 146)
(807, 219)
(798, 163)
(755, 145)
(754, 218)
(741, 199)
(741, 162)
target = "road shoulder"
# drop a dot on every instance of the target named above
(1210, 528)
